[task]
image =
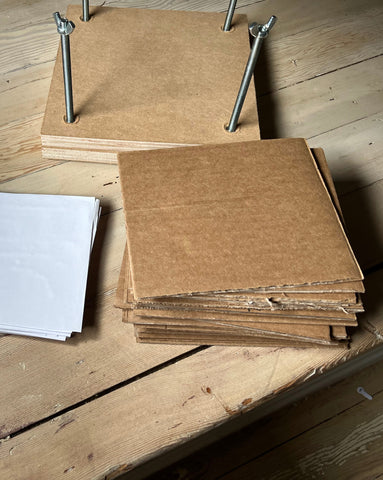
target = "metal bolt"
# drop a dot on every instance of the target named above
(363, 392)
(259, 32)
(265, 29)
(85, 10)
(65, 28)
(229, 15)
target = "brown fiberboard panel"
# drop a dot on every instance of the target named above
(232, 342)
(145, 79)
(339, 333)
(180, 337)
(306, 317)
(224, 333)
(219, 217)
(282, 330)
(268, 322)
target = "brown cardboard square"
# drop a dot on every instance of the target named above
(164, 335)
(145, 79)
(224, 332)
(300, 317)
(270, 329)
(339, 333)
(231, 217)
(236, 341)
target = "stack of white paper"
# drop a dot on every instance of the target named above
(45, 245)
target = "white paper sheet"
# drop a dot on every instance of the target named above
(45, 245)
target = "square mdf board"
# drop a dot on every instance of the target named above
(146, 79)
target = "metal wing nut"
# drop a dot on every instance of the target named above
(256, 29)
(64, 26)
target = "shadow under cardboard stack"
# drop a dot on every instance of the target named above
(236, 244)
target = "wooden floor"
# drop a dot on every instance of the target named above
(333, 434)
(100, 405)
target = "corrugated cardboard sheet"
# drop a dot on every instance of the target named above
(231, 217)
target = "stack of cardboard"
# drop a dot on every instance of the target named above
(236, 244)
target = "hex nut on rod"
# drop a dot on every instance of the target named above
(259, 32)
(65, 28)
(229, 15)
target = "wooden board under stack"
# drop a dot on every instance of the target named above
(148, 79)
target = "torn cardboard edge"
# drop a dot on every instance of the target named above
(125, 299)
(127, 302)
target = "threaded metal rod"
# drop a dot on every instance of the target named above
(262, 32)
(67, 72)
(249, 70)
(85, 10)
(65, 28)
(229, 15)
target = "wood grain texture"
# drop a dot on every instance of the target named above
(314, 46)
(290, 24)
(103, 355)
(252, 443)
(199, 394)
(102, 181)
(357, 162)
(324, 103)
(326, 451)
(21, 149)
(300, 16)
(106, 346)
(33, 12)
